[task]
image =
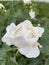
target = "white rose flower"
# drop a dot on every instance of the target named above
(27, 1)
(32, 14)
(24, 36)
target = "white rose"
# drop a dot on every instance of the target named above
(24, 36)
(27, 1)
(32, 14)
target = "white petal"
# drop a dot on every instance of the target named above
(27, 23)
(20, 42)
(7, 39)
(32, 14)
(30, 52)
(12, 26)
(28, 36)
(33, 39)
(40, 45)
(11, 29)
(39, 31)
(9, 34)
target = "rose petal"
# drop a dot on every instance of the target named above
(11, 27)
(7, 39)
(32, 14)
(20, 42)
(39, 31)
(27, 23)
(30, 52)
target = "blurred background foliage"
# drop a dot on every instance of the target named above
(18, 12)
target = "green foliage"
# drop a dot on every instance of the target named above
(45, 39)
(47, 61)
(18, 12)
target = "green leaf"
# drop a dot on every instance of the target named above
(7, 57)
(2, 62)
(47, 61)
(21, 59)
(10, 61)
(44, 41)
(10, 58)
(35, 62)
(3, 51)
